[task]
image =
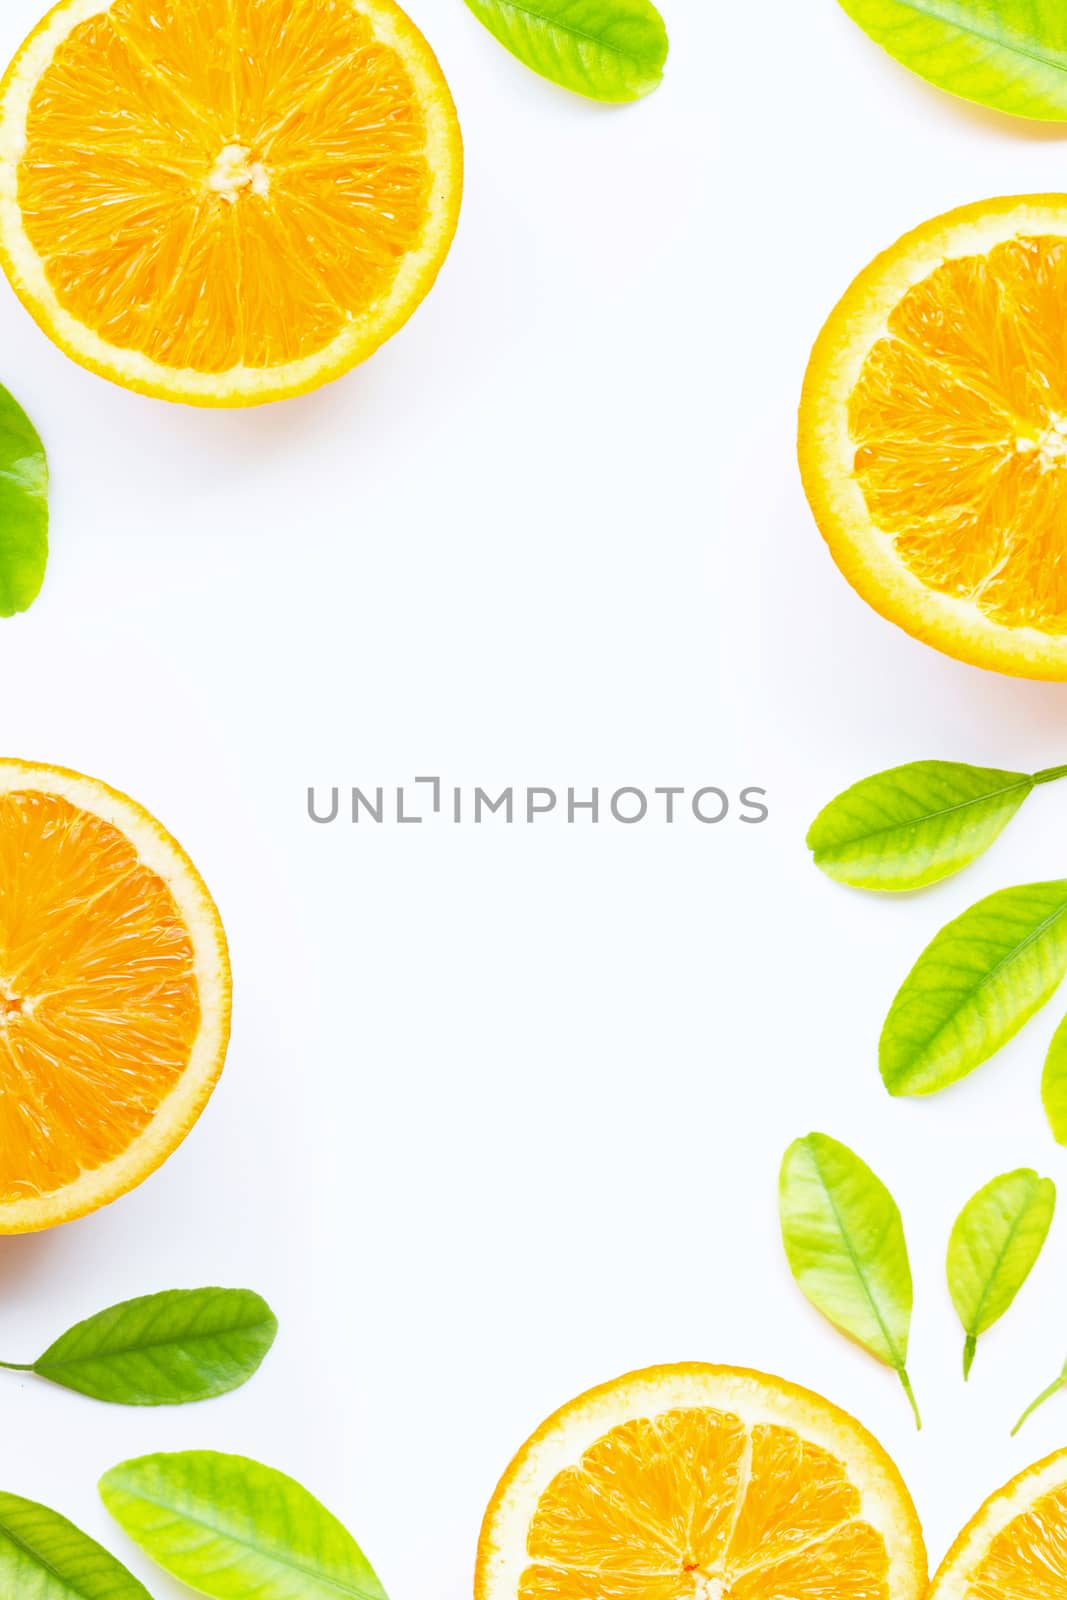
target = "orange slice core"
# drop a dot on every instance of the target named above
(695, 1505)
(959, 420)
(99, 1003)
(223, 183)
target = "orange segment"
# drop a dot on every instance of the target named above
(1016, 1545)
(224, 201)
(749, 1489)
(933, 434)
(114, 995)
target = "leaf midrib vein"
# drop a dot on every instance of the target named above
(973, 1330)
(246, 1544)
(977, 33)
(43, 1362)
(899, 1360)
(928, 816)
(566, 27)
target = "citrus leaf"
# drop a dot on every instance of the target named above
(913, 825)
(1008, 54)
(231, 1528)
(1054, 1084)
(612, 50)
(994, 1246)
(23, 508)
(45, 1557)
(844, 1240)
(163, 1349)
(974, 986)
(1046, 1394)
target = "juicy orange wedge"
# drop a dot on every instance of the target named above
(701, 1483)
(114, 995)
(225, 201)
(933, 434)
(1016, 1545)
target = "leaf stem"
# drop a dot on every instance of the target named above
(17, 1366)
(902, 1374)
(1050, 775)
(1046, 1394)
(969, 1351)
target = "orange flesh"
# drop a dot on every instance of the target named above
(959, 419)
(1028, 1559)
(222, 183)
(693, 1505)
(99, 1004)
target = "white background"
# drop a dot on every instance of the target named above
(504, 1107)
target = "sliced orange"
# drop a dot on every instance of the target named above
(1016, 1546)
(701, 1483)
(225, 201)
(114, 995)
(933, 434)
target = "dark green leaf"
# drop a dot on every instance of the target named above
(913, 825)
(994, 1247)
(844, 1240)
(45, 1557)
(1008, 54)
(611, 50)
(23, 508)
(974, 987)
(164, 1349)
(234, 1529)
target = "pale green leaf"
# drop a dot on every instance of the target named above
(974, 986)
(916, 824)
(23, 508)
(1008, 54)
(45, 1557)
(612, 50)
(1054, 1084)
(233, 1528)
(163, 1349)
(994, 1247)
(844, 1240)
(1046, 1394)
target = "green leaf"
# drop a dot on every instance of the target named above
(1008, 54)
(45, 1557)
(163, 1349)
(1054, 1084)
(23, 508)
(994, 1247)
(913, 825)
(1046, 1394)
(232, 1528)
(612, 50)
(844, 1240)
(974, 986)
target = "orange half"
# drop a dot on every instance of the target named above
(933, 434)
(1015, 1548)
(225, 201)
(114, 995)
(701, 1483)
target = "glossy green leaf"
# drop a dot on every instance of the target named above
(45, 1557)
(1008, 54)
(163, 1349)
(612, 50)
(1046, 1394)
(913, 825)
(23, 508)
(1054, 1084)
(974, 986)
(844, 1240)
(994, 1247)
(232, 1528)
